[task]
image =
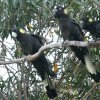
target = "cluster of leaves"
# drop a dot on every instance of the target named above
(22, 77)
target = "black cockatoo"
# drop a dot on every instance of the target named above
(30, 44)
(70, 30)
(92, 26)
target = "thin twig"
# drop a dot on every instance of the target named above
(87, 93)
(62, 77)
(3, 96)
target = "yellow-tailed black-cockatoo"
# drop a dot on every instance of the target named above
(70, 30)
(92, 26)
(30, 44)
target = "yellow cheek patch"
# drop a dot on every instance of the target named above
(90, 20)
(22, 30)
(65, 11)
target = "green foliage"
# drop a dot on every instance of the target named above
(22, 77)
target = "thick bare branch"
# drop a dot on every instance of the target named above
(50, 46)
(12, 61)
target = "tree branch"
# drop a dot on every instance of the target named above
(50, 46)
(87, 93)
(12, 61)
(3, 96)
